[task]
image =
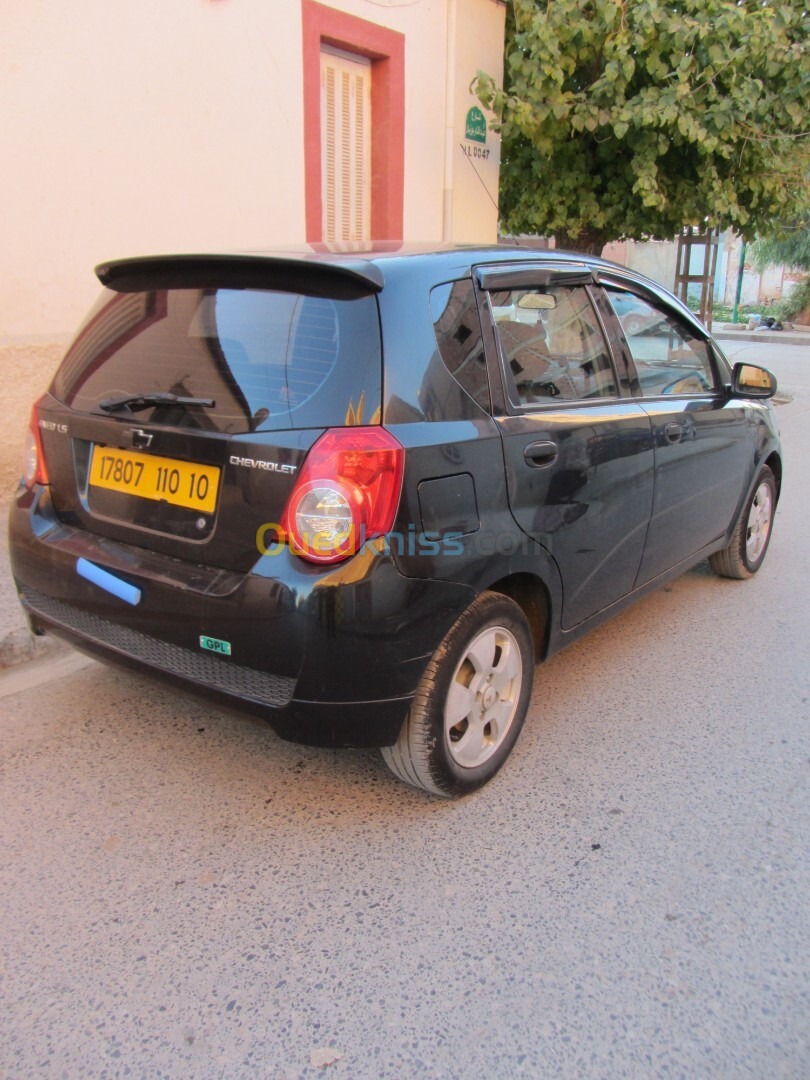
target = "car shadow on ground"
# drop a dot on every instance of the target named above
(237, 759)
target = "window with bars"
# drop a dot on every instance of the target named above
(345, 146)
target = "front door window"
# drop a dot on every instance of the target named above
(668, 356)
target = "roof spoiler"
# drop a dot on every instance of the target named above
(326, 276)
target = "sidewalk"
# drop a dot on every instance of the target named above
(799, 335)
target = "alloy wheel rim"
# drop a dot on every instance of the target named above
(483, 697)
(759, 522)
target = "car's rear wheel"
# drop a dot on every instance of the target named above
(471, 703)
(746, 552)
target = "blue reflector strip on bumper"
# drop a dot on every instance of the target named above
(122, 589)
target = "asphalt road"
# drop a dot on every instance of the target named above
(185, 895)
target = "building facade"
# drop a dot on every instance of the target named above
(132, 128)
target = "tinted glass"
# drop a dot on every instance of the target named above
(268, 359)
(458, 333)
(669, 357)
(552, 344)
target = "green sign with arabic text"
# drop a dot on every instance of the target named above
(476, 127)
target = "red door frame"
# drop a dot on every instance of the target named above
(386, 49)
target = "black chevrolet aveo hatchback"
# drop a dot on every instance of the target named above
(363, 495)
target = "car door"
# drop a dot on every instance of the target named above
(577, 447)
(700, 434)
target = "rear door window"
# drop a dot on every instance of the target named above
(268, 359)
(552, 344)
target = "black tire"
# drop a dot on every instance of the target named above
(746, 552)
(486, 662)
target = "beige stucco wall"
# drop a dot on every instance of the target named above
(135, 126)
(656, 258)
(138, 126)
(479, 30)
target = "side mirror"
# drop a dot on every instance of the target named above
(751, 381)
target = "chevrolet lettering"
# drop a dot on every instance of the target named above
(268, 466)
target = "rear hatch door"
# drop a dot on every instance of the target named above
(188, 400)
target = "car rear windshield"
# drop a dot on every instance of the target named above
(267, 359)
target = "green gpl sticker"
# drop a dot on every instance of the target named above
(215, 645)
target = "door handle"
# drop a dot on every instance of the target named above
(539, 454)
(673, 433)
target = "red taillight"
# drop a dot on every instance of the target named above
(34, 469)
(347, 492)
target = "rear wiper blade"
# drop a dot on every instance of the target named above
(133, 402)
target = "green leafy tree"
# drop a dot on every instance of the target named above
(788, 245)
(632, 118)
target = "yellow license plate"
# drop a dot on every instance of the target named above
(149, 477)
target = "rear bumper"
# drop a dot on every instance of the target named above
(328, 657)
(311, 723)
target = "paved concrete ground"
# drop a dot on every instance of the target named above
(187, 896)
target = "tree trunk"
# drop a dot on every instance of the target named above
(587, 242)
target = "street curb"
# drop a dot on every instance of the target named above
(767, 337)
